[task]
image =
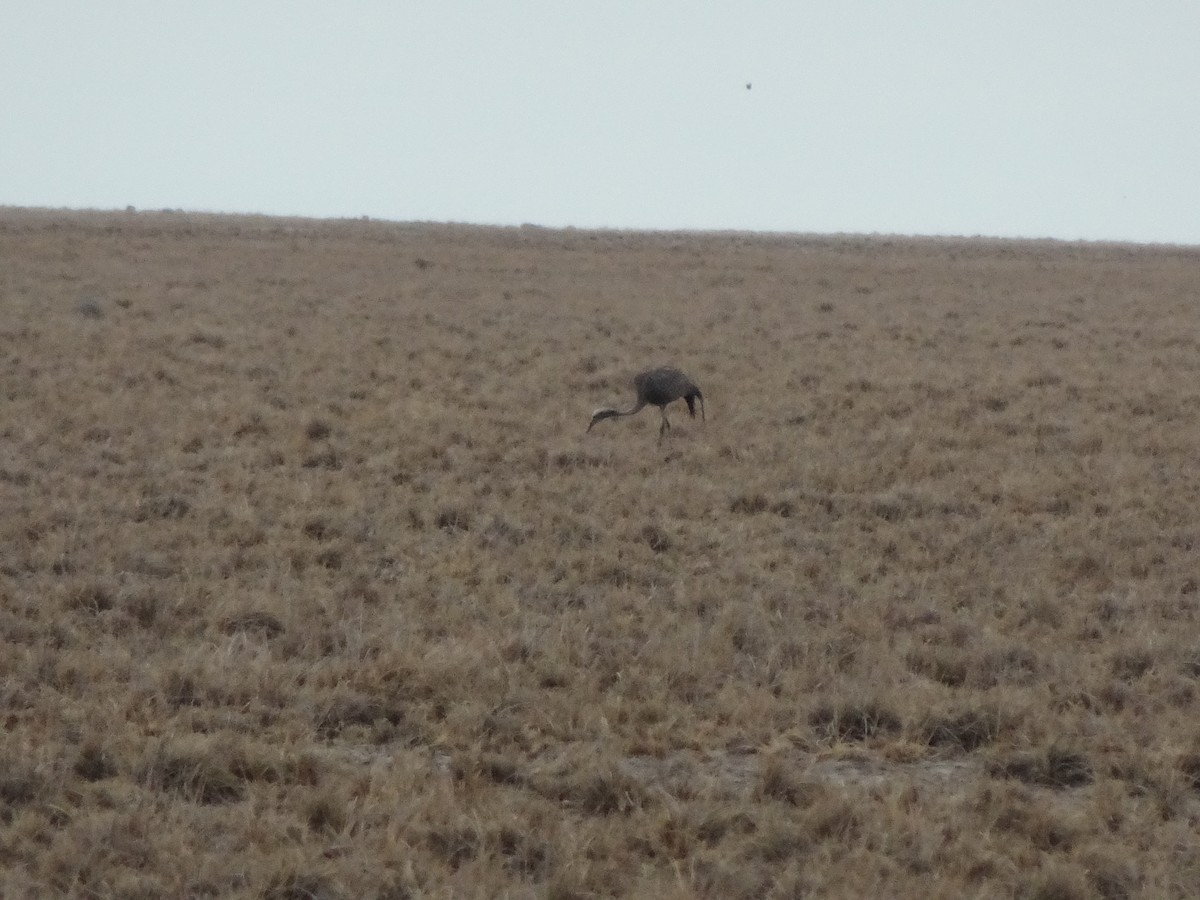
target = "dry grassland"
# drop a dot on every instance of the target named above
(313, 585)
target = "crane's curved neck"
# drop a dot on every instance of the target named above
(609, 413)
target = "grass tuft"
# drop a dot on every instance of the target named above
(854, 721)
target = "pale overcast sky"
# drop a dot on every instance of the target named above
(1066, 119)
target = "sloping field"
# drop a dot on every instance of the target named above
(313, 584)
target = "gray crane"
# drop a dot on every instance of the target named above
(658, 387)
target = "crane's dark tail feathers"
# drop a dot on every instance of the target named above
(691, 402)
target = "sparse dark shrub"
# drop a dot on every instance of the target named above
(143, 607)
(398, 886)
(454, 846)
(656, 539)
(94, 762)
(1113, 878)
(749, 638)
(577, 459)
(317, 430)
(1058, 882)
(749, 504)
(1067, 768)
(171, 506)
(895, 509)
(967, 731)
(854, 721)
(297, 886)
(502, 532)
(1190, 664)
(18, 787)
(778, 843)
(834, 818)
(777, 780)
(453, 520)
(1109, 609)
(361, 587)
(1041, 824)
(500, 769)
(1132, 665)
(606, 794)
(1021, 766)
(197, 775)
(325, 459)
(212, 340)
(1189, 765)
(742, 879)
(15, 477)
(325, 813)
(93, 597)
(254, 426)
(263, 623)
(270, 460)
(381, 717)
(595, 793)
(330, 559)
(720, 823)
(1057, 768)
(616, 575)
(1043, 379)
(319, 530)
(261, 763)
(183, 689)
(1015, 663)
(523, 854)
(949, 667)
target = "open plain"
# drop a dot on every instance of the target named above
(314, 586)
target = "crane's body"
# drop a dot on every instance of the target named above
(657, 387)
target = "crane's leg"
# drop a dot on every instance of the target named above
(664, 427)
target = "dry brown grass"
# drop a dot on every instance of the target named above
(313, 585)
